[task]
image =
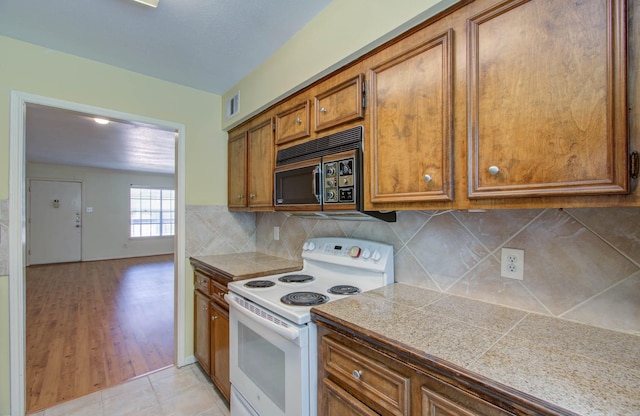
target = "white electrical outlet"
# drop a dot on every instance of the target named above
(276, 233)
(512, 263)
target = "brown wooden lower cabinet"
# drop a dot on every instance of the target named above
(202, 349)
(356, 380)
(211, 328)
(220, 348)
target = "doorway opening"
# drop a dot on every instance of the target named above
(17, 229)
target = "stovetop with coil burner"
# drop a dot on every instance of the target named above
(333, 268)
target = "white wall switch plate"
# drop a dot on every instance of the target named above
(512, 263)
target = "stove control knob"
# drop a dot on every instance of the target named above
(354, 252)
(376, 255)
(366, 253)
(311, 246)
(305, 246)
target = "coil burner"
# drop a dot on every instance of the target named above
(296, 278)
(259, 284)
(344, 290)
(304, 299)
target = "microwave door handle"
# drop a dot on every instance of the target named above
(316, 182)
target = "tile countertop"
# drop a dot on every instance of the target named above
(583, 369)
(240, 266)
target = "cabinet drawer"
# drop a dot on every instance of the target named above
(337, 402)
(293, 123)
(201, 283)
(366, 378)
(339, 104)
(218, 290)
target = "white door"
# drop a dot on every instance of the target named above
(55, 222)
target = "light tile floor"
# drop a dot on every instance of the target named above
(185, 391)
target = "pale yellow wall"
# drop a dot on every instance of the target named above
(32, 69)
(344, 30)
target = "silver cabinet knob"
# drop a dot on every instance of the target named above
(240, 196)
(252, 196)
(427, 178)
(213, 317)
(323, 110)
(356, 374)
(493, 170)
(298, 120)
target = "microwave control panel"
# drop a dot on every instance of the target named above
(339, 179)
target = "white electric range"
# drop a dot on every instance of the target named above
(273, 351)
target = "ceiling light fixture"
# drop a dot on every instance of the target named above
(101, 120)
(152, 3)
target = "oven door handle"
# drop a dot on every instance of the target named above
(287, 332)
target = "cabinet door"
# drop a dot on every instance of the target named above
(220, 349)
(261, 161)
(442, 399)
(339, 104)
(293, 123)
(237, 171)
(411, 125)
(337, 402)
(547, 90)
(201, 330)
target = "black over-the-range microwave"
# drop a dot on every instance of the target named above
(323, 178)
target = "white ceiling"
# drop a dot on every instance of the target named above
(67, 137)
(205, 44)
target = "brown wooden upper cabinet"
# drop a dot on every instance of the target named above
(339, 104)
(260, 159)
(411, 119)
(251, 161)
(547, 106)
(294, 123)
(237, 181)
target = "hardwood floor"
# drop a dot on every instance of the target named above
(94, 325)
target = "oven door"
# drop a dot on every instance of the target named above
(298, 186)
(270, 365)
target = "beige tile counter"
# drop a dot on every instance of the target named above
(239, 266)
(584, 369)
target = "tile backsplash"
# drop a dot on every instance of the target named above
(215, 230)
(580, 264)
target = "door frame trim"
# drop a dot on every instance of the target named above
(17, 232)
